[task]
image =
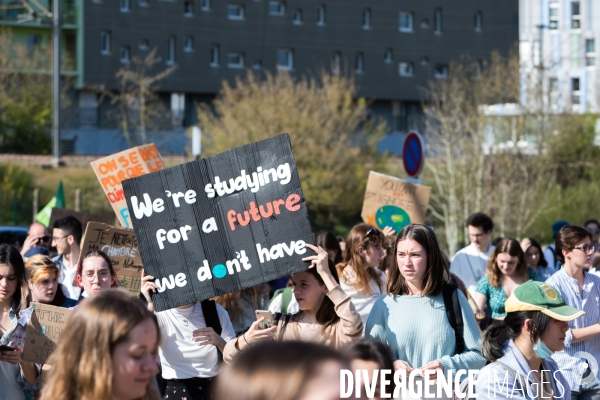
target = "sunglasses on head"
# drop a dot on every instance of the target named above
(371, 231)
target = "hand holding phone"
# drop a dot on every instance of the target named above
(6, 348)
(266, 314)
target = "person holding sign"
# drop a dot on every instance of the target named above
(107, 351)
(359, 273)
(43, 277)
(326, 314)
(187, 336)
(15, 374)
(96, 273)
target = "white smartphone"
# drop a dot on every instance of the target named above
(266, 314)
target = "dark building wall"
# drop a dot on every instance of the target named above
(259, 36)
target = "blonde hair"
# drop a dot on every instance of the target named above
(82, 367)
(39, 267)
(364, 273)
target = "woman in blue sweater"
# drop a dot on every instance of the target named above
(412, 318)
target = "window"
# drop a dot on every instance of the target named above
(235, 12)
(359, 63)
(336, 62)
(388, 56)
(553, 89)
(321, 14)
(188, 44)
(170, 50)
(478, 21)
(440, 71)
(285, 59)
(406, 21)
(590, 52)
(205, 5)
(144, 3)
(124, 54)
(32, 42)
(437, 21)
(257, 65)
(575, 15)
(188, 8)
(143, 44)
(297, 16)
(214, 56)
(553, 23)
(575, 93)
(367, 18)
(124, 5)
(405, 69)
(235, 60)
(276, 8)
(105, 42)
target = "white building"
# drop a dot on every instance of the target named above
(566, 34)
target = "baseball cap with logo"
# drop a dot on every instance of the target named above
(540, 296)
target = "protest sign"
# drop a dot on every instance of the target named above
(114, 169)
(43, 332)
(84, 218)
(390, 201)
(221, 224)
(121, 247)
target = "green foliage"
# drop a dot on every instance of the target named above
(333, 139)
(16, 194)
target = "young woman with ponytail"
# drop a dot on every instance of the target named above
(520, 347)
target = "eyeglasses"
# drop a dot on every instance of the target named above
(44, 238)
(586, 248)
(371, 231)
(102, 276)
(58, 239)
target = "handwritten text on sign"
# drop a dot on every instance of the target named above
(214, 219)
(114, 169)
(43, 332)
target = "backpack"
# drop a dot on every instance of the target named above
(286, 298)
(211, 317)
(454, 314)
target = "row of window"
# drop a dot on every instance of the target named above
(285, 57)
(236, 12)
(554, 14)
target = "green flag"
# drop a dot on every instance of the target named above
(60, 196)
(43, 217)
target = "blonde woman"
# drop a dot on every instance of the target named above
(107, 351)
(42, 277)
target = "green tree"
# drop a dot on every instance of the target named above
(333, 137)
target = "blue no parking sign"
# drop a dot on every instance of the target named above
(412, 154)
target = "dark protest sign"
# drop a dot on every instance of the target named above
(221, 224)
(84, 218)
(121, 247)
(43, 332)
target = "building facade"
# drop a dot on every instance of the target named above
(391, 48)
(557, 42)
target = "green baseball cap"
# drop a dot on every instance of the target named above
(540, 296)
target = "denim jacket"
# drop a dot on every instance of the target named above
(495, 382)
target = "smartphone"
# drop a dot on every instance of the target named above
(266, 314)
(6, 348)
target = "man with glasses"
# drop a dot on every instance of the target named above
(593, 227)
(37, 236)
(470, 263)
(66, 237)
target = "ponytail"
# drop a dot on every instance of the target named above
(494, 338)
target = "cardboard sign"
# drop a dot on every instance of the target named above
(43, 332)
(84, 218)
(221, 224)
(114, 169)
(121, 247)
(390, 201)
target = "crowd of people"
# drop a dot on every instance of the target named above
(376, 300)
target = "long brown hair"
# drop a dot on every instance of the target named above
(513, 248)
(82, 367)
(232, 301)
(352, 259)
(437, 271)
(11, 256)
